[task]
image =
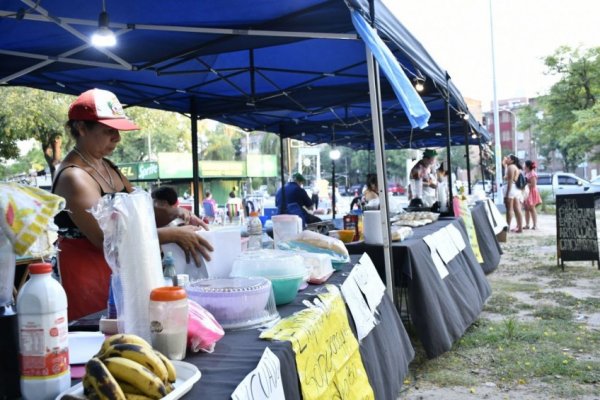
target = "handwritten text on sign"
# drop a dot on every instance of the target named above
(264, 382)
(577, 227)
(327, 356)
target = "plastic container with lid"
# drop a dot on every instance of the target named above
(43, 335)
(254, 232)
(236, 303)
(285, 269)
(168, 313)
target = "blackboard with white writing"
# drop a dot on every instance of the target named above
(576, 234)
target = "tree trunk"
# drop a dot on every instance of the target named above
(52, 152)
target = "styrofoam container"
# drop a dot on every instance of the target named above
(318, 264)
(227, 245)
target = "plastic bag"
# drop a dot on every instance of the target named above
(132, 251)
(203, 329)
(317, 243)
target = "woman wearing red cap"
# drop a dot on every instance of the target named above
(85, 175)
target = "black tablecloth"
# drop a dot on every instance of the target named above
(386, 352)
(488, 244)
(440, 309)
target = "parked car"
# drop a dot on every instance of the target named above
(596, 180)
(355, 189)
(564, 183)
(396, 189)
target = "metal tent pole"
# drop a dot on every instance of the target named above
(468, 156)
(448, 144)
(378, 135)
(196, 183)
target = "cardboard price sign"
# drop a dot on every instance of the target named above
(576, 228)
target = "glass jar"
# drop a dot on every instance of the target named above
(169, 321)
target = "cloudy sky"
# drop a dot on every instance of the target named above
(457, 34)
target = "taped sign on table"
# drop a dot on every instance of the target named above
(364, 320)
(264, 382)
(327, 356)
(368, 280)
(465, 213)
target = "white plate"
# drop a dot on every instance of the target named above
(187, 375)
(84, 345)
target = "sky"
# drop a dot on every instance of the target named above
(457, 35)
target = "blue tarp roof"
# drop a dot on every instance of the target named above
(296, 68)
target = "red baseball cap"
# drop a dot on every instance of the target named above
(101, 106)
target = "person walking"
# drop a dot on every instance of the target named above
(533, 199)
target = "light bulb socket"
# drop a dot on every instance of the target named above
(103, 20)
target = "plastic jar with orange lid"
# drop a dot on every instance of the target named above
(169, 321)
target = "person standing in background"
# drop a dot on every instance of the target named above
(166, 199)
(512, 194)
(422, 186)
(533, 199)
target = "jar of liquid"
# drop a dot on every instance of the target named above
(169, 321)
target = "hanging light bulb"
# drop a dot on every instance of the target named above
(103, 36)
(335, 154)
(419, 84)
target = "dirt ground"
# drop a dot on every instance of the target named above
(525, 255)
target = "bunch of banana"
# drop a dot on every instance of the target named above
(127, 367)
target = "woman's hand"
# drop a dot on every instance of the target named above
(193, 245)
(190, 218)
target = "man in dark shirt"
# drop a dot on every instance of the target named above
(294, 193)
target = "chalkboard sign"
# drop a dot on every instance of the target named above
(576, 234)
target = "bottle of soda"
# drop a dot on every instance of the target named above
(254, 232)
(43, 335)
(169, 271)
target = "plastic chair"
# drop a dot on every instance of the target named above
(209, 212)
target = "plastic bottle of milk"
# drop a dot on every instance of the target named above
(43, 335)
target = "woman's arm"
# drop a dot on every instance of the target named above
(189, 241)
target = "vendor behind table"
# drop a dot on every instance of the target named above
(423, 180)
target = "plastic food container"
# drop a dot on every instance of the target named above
(168, 311)
(319, 265)
(236, 303)
(345, 235)
(285, 269)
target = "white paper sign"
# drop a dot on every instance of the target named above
(456, 237)
(264, 382)
(445, 245)
(368, 280)
(435, 257)
(362, 315)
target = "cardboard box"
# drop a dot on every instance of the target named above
(502, 236)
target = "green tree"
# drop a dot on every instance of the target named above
(566, 108)
(33, 114)
(165, 131)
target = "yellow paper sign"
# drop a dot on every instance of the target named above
(465, 213)
(327, 355)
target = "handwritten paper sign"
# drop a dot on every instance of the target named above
(577, 237)
(368, 280)
(327, 357)
(264, 382)
(362, 314)
(456, 237)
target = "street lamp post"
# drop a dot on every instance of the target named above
(334, 154)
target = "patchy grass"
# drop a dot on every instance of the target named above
(502, 303)
(550, 312)
(511, 353)
(589, 304)
(502, 286)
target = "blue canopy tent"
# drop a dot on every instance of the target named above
(296, 68)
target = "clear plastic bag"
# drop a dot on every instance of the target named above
(132, 251)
